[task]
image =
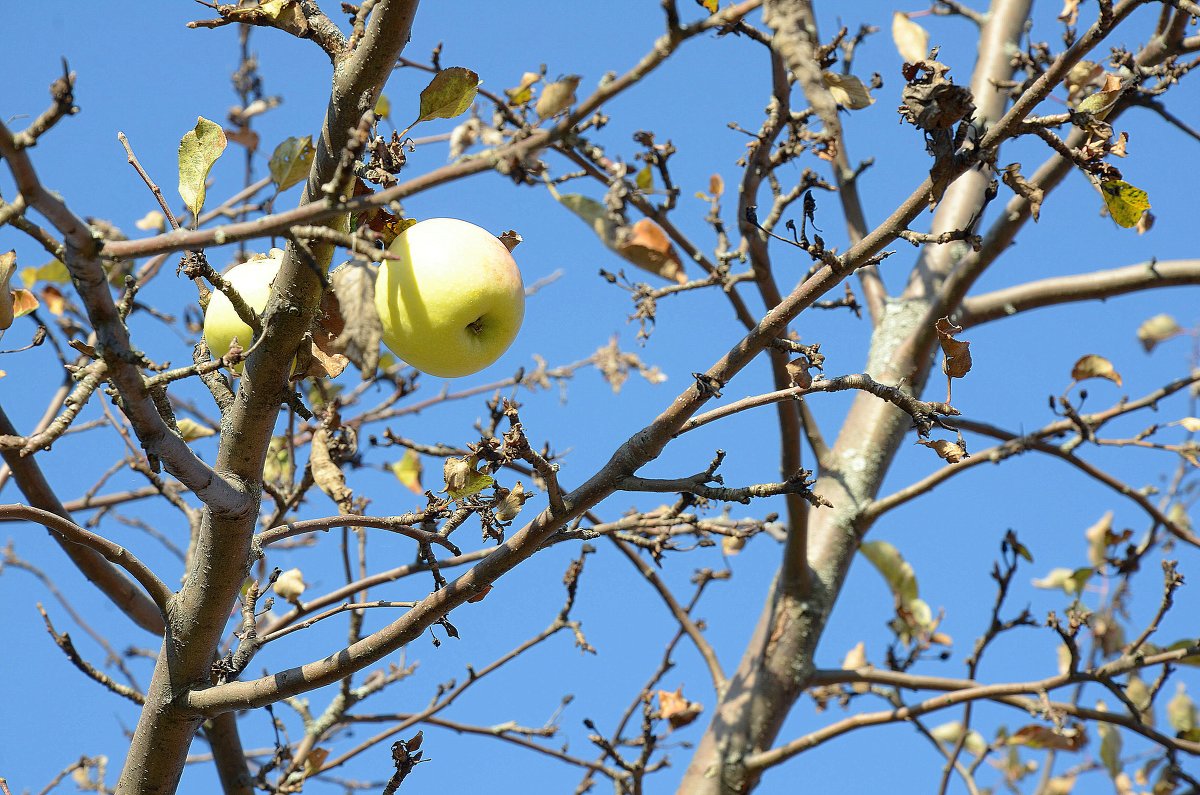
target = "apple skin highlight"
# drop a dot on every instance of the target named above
(453, 302)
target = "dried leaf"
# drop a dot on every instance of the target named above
(479, 597)
(191, 430)
(291, 161)
(1069, 738)
(510, 506)
(245, 138)
(1157, 329)
(949, 733)
(462, 478)
(1070, 12)
(449, 94)
(328, 475)
(408, 471)
(857, 658)
(1099, 536)
(199, 149)
(847, 90)
(1181, 710)
(1145, 223)
(1126, 204)
(1071, 581)
(912, 40)
(1191, 424)
(716, 186)
(676, 709)
(1110, 745)
(557, 97)
(950, 452)
(53, 298)
(1024, 188)
(8, 266)
(1095, 366)
(957, 354)
(647, 246)
(153, 221)
(511, 239)
(797, 370)
(290, 585)
(361, 333)
(731, 545)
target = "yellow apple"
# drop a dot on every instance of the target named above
(252, 280)
(453, 301)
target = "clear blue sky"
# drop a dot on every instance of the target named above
(141, 71)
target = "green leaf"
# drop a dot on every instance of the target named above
(901, 578)
(645, 180)
(291, 161)
(449, 94)
(408, 471)
(199, 149)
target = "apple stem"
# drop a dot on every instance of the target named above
(476, 325)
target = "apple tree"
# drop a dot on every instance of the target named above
(727, 497)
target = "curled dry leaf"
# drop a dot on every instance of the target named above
(289, 586)
(647, 246)
(511, 239)
(557, 97)
(797, 370)
(1068, 738)
(731, 545)
(848, 91)
(153, 221)
(1024, 188)
(957, 353)
(1095, 366)
(353, 303)
(510, 505)
(948, 451)
(716, 186)
(462, 478)
(191, 430)
(912, 40)
(328, 475)
(8, 266)
(857, 658)
(676, 709)
(1157, 329)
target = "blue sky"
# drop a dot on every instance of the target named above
(141, 71)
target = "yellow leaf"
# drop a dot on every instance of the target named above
(1125, 203)
(710, 5)
(449, 94)
(645, 179)
(199, 149)
(191, 430)
(408, 471)
(383, 107)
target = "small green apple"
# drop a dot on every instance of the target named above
(453, 301)
(252, 279)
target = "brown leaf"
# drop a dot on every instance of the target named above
(1145, 223)
(647, 246)
(511, 239)
(1024, 188)
(946, 450)
(1035, 735)
(353, 304)
(8, 266)
(247, 138)
(797, 370)
(53, 298)
(479, 597)
(676, 709)
(328, 475)
(1095, 366)
(716, 186)
(956, 354)
(23, 302)
(857, 658)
